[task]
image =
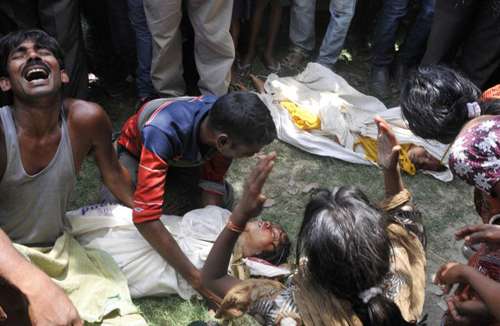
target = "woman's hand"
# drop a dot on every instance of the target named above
(387, 145)
(450, 274)
(252, 200)
(467, 312)
(487, 233)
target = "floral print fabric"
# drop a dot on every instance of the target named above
(475, 155)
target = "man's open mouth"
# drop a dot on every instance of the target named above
(34, 72)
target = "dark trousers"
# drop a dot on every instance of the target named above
(472, 27)
(182, 192)
(144, 44)
(109, 39)
(60, 19)
(14, 305)
(386, 29)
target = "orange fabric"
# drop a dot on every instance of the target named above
(492, 93)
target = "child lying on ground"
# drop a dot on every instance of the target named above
(358, 264)
(412, 157)
(110, 228)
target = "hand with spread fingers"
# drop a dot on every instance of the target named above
(252, 200)
(387, 145)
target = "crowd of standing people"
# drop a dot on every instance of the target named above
(170, 224)
(158, 43)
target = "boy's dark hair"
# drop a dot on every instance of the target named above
(244, 118)
(344, 238)
(434, 102)
(12, 40)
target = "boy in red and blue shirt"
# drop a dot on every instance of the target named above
(203, 134)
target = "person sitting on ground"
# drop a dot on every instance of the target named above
(357, 265)
(44, 139)
(476, 301)
(259, 7)
(190, 142)
(110, 228)
(439, 103)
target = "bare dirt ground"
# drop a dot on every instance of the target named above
(445, 206)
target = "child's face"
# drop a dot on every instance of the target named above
(423, 160)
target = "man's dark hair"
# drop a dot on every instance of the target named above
(244, 118)
(12, 40)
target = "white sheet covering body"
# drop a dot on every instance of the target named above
(344, 113)
(110, 228)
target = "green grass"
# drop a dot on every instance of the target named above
(445, 206)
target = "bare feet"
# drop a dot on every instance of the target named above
(270, 63)
(247, 61)
(258, 84)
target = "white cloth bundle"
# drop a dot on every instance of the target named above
(344, 113)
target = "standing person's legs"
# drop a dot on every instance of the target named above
(255, 27)
(121, 34)
(302, 32)
(164, 18)
(61, 19)
(385, 31)
(451, 20)
(214, 48)
(144, 44)
(481, 48)
(341, 13)
(383, 44)
(23, 14)
(302, 24)
(274, 26)
(414, 46)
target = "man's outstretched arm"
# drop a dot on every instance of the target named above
(48, 304)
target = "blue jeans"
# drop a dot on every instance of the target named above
(387, 25)
(302, 27)
(144, 46)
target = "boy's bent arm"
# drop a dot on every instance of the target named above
(164, 243)
(48, 304)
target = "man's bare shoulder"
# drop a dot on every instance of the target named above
(82, 113)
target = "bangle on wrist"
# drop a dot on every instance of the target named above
(234, 227)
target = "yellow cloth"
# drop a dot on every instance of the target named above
(302, 117)
(90, 278)
(370, 147)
